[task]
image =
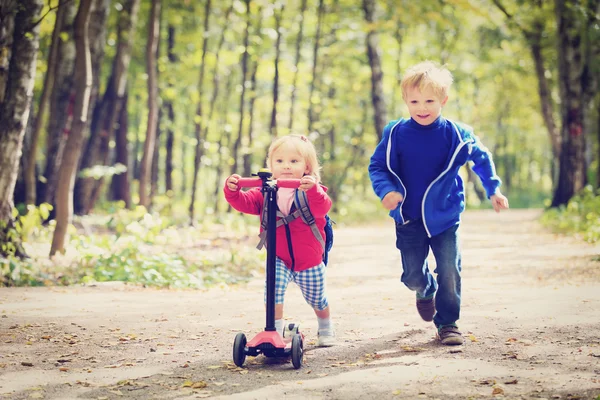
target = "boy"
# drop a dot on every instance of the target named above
(414, 171)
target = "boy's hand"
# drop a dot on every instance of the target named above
(232, 182)
(307, 182)
(391, 200)
(499, 201)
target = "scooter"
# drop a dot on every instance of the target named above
(269, 342)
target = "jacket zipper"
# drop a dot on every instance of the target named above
(460, 146)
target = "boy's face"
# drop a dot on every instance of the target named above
(424, 106)
(287, 163)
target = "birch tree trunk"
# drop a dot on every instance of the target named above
(151, 52)
(68, 167)
(19, 40)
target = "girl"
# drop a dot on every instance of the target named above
(301, 259)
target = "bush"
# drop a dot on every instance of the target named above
(581, 216)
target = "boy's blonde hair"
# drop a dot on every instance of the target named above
(303, 146)
(427, 75)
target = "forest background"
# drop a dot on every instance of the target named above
(119, 120)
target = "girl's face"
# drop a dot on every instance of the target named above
(424, 106)
(287, 163)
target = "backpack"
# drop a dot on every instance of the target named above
(303, 211)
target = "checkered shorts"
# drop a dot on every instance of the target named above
(310, 281)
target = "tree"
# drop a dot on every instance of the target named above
(377, 96)
(199, 115)
(68, 167)
(19, 39)
(151, 52)
(108, 109)
(577, 85)
(30, 175)
(299, 39)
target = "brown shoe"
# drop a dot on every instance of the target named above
(449, 335)
(426, 308)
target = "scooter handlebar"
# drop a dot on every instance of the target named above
(288, 183)
(249, 182)
(257, 182)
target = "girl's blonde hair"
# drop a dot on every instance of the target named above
(427, 75)
(304, 147)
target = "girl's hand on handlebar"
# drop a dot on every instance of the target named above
(307, 182)
(232, 182)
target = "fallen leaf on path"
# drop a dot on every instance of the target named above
(195, 385)
(473, 338)
(513, 382)
(497, 391)
(411, 349)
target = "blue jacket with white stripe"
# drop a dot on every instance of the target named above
(444, 199)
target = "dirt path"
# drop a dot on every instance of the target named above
(530, 317)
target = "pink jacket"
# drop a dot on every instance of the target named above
(306, 249)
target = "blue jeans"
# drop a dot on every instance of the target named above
(414, 244)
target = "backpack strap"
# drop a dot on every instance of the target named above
(301, 203)
(283, 220)
(302, 210)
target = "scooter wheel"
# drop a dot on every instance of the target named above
(239, 349)
(297, 351)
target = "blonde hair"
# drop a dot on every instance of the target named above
(427, 75)
(304, 147)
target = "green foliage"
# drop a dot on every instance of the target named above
(136, 247)
(581, 216)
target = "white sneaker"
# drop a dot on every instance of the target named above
(326, 338)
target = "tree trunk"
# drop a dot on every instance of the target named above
(120, 183)
(224, 142)
(216, 84)
(168, 104)
(238, 141)
(151, 53)
(156, 159)
(19, 40)
(572, 174)
(598, 141)
(68, 167)
(299, 41)
(313, 82)
(199, 123)
(61, 105)
(277, 13)
(107, 110)
(247, 158)
(377, 96)
(30, 171)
